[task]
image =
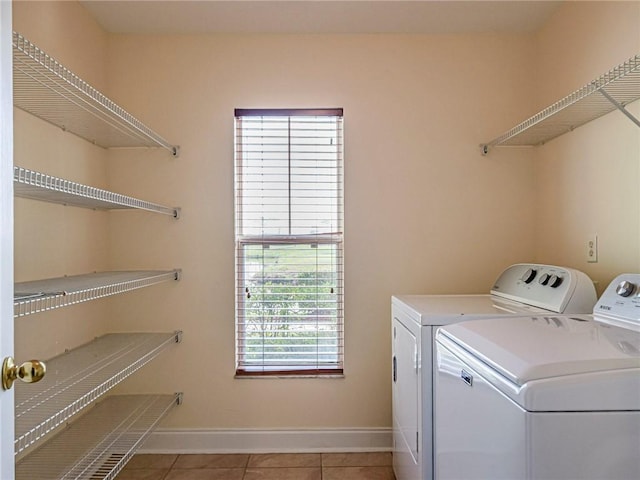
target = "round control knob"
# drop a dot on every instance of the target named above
(529, 275)
(625, 289)
(555, 281)
(544, 279)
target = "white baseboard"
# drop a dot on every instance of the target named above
(268, 441)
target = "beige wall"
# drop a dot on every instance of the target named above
(54, 240)
(422, 204)
(587, 181)
(68, 33)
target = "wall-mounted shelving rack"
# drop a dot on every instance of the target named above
(39, 186)
(99, 444)
(43, 295)
(80, 376)
(613, 90)
(48, 90)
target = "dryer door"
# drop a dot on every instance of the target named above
(406, 402)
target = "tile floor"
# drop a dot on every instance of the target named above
(281, 466)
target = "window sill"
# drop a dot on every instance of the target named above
(280, 376)
(286, 374)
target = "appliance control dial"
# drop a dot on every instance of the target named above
(625, 288)
(544, 279)
(555, 281)
(529, 275)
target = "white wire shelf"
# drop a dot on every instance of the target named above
(39, 186)
(613, 90)
(99, 444)
(80, 376)
(48, 90)
(43, 295)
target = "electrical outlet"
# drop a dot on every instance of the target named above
(592, 248)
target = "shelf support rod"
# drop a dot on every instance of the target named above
(619, 106)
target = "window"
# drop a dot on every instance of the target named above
(289, 242)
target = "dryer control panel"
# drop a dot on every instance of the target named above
(620, 302)
(558, 289)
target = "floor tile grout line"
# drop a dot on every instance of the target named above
(341, 463)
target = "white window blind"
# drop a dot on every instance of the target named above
(289, 241)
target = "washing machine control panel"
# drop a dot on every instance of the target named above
(620, 302)
(558, 289)
(552, 280)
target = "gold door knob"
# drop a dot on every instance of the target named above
(29, 372)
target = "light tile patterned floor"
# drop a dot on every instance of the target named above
(280, 466)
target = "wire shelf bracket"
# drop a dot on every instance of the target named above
(613, 90)
(620, 107)
(48, 90)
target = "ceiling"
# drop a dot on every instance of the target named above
(320, 16)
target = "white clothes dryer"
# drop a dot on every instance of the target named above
(544, 397)
(521, 290)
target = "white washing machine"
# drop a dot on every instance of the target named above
(544, 397)
(522, 289)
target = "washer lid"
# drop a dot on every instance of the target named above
(447, 309)
(540, 347)
(552, 363)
